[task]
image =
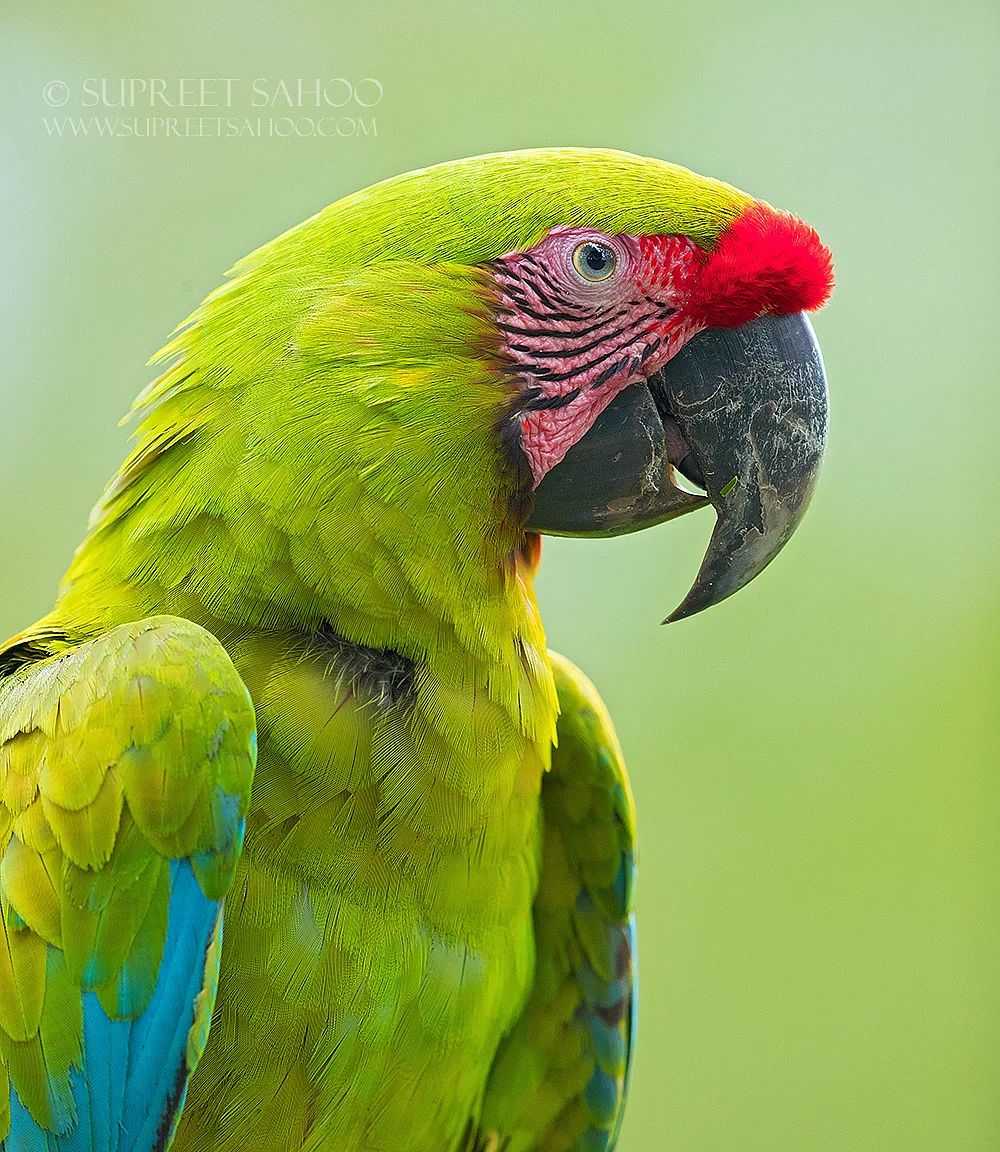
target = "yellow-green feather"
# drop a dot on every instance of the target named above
(89, 827)
(559, 1080)
(320, 472)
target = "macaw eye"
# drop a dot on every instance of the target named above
(594, 261)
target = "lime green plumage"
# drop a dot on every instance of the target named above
(320, 482)
(117, 756)
(559, 1079)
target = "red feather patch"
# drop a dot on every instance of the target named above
(766, 263)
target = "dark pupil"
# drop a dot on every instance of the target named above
(595, 258)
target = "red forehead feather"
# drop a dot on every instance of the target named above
(766, 263)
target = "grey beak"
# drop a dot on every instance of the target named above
(616, 479)
(752, 404)
(741, 412)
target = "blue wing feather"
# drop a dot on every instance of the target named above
(135, 1072)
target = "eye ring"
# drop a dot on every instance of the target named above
(594, 261)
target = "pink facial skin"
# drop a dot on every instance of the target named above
(577, 343)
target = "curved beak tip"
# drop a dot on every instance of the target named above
(752, 402)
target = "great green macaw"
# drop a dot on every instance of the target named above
(313, 576)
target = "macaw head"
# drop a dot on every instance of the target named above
(654, 323)
(644, 352)
(538, 341)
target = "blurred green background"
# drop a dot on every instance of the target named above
(815, 761)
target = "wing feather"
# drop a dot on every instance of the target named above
(559, 1080)
(125, 772)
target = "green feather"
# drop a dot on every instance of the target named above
(322, 509)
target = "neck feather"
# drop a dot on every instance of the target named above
(324, 476)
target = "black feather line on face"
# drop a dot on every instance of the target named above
(520, 330)
(540, 372)
(545, 300)
(553, 287)
(611, 370)
(541, 402)
(649, 350)
(542, 317)
(545, 276)
(569, 350)
(517, 287)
